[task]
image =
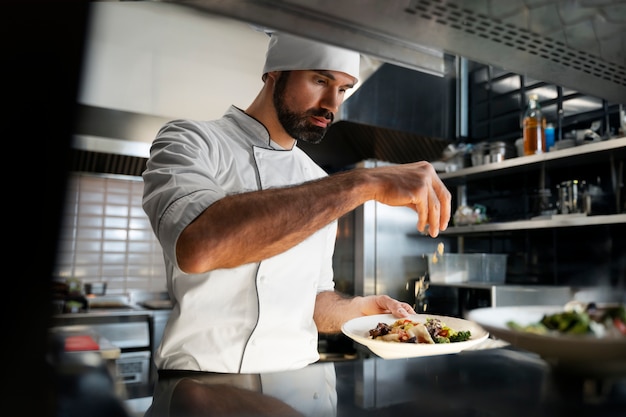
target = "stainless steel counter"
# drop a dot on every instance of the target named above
(135, 330)
(493, 381)
(489, 382)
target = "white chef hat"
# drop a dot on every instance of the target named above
(288, 52)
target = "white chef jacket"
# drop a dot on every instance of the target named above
(256, 317)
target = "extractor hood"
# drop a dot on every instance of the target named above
(111, 141)
(577, 44)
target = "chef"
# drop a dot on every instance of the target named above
(247, 221)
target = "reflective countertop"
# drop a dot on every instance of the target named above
(490, 382)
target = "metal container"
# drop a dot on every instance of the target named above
(497, 151)
(572, 197)
(456, 300)
(95, 288)
(480, 154)
(467, 267)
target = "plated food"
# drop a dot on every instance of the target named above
(359, 330)
(432, 331)
(579, 318)
(585, 352)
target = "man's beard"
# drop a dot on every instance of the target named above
(297, 124)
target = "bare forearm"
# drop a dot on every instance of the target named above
(253, 226)
(333, 309)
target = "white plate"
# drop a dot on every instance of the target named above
(358, 330)
(582, 352)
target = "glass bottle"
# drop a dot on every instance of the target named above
(534, 125)
(549, 132)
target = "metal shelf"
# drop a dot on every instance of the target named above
(581, 154)
(542, 223)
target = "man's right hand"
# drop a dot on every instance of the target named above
(417, 186)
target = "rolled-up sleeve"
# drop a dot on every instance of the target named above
(179, 181)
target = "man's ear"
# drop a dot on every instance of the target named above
(274, 75)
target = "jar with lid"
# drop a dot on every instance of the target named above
(480, 154)
(533, 127)
(497, 151)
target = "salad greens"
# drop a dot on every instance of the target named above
(579, 319)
